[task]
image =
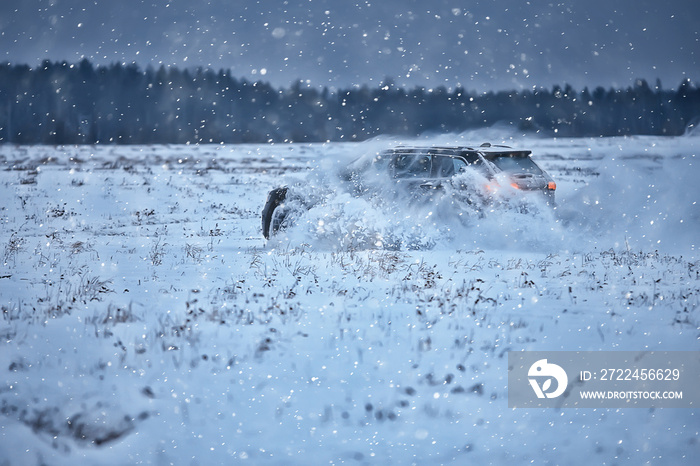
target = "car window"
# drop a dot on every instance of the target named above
(459, 165)
(408, 165)
(516, 164)
(473, 161)
(471, 158)
(445, 166)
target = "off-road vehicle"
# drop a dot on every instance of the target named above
(422, 172)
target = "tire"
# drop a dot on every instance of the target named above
(273, 214)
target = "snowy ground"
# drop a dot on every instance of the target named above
(146, 320)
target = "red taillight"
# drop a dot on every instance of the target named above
(552, 185)
(515, 185)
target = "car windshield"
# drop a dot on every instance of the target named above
(516, 163)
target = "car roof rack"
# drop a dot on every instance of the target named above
(487, 145)
(446, 150)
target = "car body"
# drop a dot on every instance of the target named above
(424, 171)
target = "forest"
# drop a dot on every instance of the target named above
(80, 103)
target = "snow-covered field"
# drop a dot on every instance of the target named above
(145, 319)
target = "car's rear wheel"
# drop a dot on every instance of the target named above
(274, 212)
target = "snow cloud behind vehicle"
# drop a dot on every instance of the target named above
(638, 196)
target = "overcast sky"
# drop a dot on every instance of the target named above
(481, 45)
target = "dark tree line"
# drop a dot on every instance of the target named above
(63, 103)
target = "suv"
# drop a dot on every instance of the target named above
(423, 171)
